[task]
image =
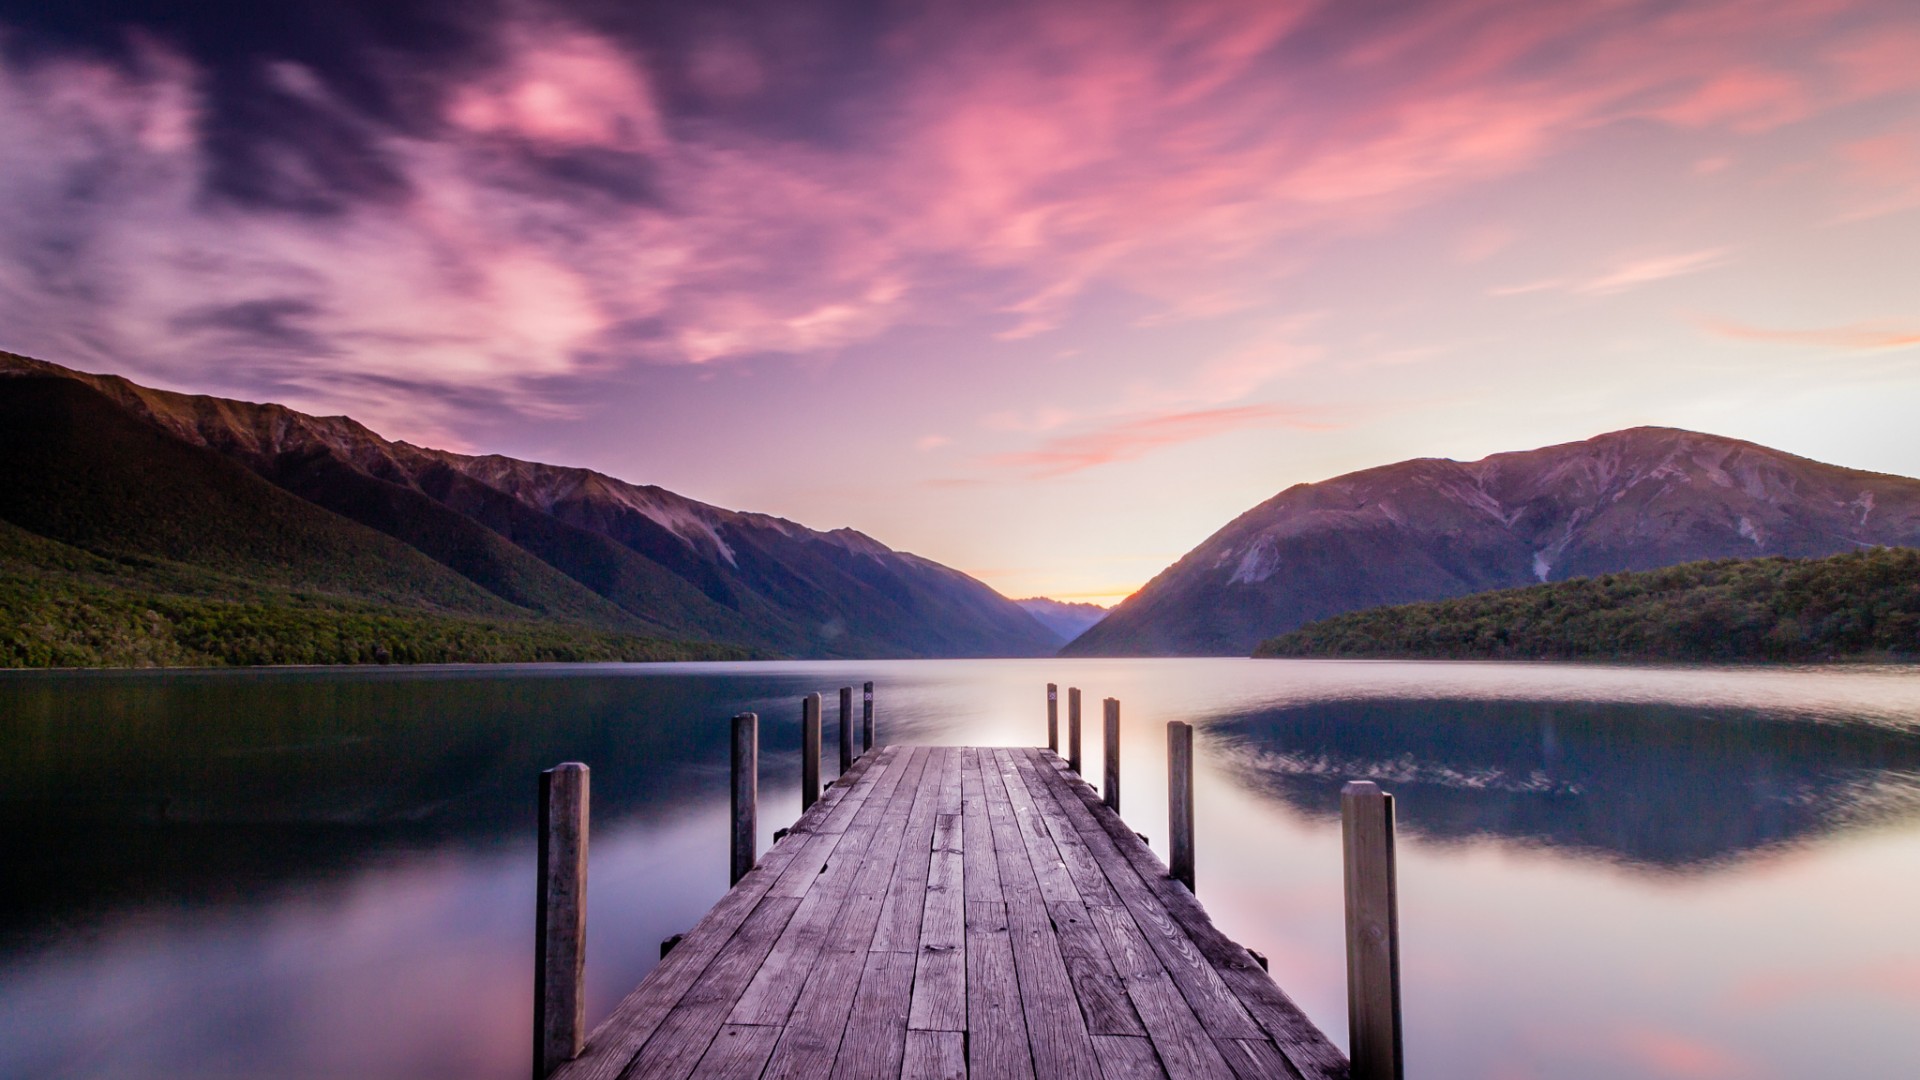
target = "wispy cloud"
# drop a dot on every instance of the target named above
(1855, 337)
(1634, 273)
(1135, 437)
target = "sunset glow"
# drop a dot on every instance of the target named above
(1047, 292)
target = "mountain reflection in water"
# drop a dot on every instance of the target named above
(1653, 786)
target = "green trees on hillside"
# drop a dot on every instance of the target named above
(1859, 604)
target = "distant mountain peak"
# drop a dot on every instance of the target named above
(1067, 619)
(1432, 528)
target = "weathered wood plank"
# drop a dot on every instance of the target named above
(1043, 855)
(560, 938)
(1373, 932)
(745, 838)
(811, 1040)
(983, 868)
(935, 1055)
(739, 1052)
(901, 913)
(1088, 879)
(1178, 1035)
(855, 929)
(1114, 845)
(1306, 1048)
(690, 1027)
(770, 995)
(1103, 1000)
(997, 1043)
(1180, 802)
(876, 1035)
(940, 978)
(1256, 1059)
(1128, 1057)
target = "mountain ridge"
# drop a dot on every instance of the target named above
(578, 544)
(1435, 528)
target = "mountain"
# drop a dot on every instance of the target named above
(1861, 604)
(1067, 620)
(378, 520)
(1434, 528)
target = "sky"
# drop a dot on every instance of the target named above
(1048, 291)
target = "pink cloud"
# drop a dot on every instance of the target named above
(1194, 157)
(1858, 337)
(1135, 437)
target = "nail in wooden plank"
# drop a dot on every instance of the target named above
(746, 794)
(1373, 933)
(1180, 802)
(559, 1012)
(1110, 787)
(809, 751)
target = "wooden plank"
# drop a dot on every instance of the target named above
(641, 1013)
(1128, 1057)
(940, 977)
(1103, 1000)
(560, 937)
(1114, 845)
(770, 995)
(935, 1055)
(1043, 855)
(901, 914)
(811, 1040)
(854, 931)
(982, 867)
(1056, 1031)
(1255, 1059)
(876, 1034)
(1075, 930)
(739, 1052)
(997, 1043)
(1178, 1035)
(1089, 880)
(1373, 932)
(1306, 1048)
(690, 1027)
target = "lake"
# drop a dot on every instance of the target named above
(1604, 871)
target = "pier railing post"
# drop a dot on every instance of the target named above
(1373, 933)
(1053, 718)
(559, 953)
(1110, 788)
(1180, 802)
(846, 729)
(866, 718)
(1073, 729)
(809, 751)
(746, 795)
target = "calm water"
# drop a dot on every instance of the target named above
(1604, 871)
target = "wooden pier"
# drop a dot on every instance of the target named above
(954, 912)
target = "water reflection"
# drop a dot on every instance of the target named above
(1654, 786)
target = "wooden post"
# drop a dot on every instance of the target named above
(866, 718)
(559, 951)
(746, 794)
(1180, 802)
(1053, 718)
(1073, 729)
(846, 729)
(1373, 933)
(809, 751)
(1110, 789)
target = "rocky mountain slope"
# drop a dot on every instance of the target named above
(1434, 528)
(499, 535)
